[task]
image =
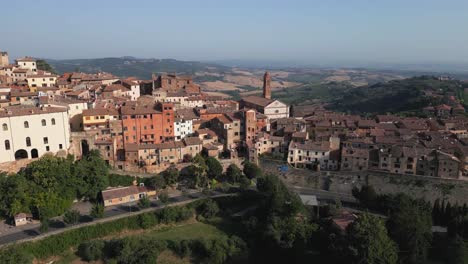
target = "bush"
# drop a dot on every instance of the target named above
(116, 180)
(11, 256)
(44, 225)
(71, 217)
(164, 197)
(97, 211)
(144, 203)
(208, 208)
(183, 248)
(147, 220)
(174, 214)
(57, 244)
(91, 250)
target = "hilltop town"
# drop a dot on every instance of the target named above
(147, 126)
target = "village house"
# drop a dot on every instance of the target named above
(122, 195)
(98, 118)
(314, 155)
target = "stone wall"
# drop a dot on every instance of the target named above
(429, 188)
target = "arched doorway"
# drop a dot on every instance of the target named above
(34, 154)
(84, 147)
(21, 154)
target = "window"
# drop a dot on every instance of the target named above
(47, 148)
(5, 127)
(28, 141)
(60, 146)
(26, 124)
(46, 140)
(53, 121)
(44, 123)
(7, 144)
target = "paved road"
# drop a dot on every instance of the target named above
(110, 212)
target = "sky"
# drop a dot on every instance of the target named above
(307, 31)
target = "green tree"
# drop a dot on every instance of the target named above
(252, 170)
(196, 176)
(144, 202)
(157, 182)
(147, 220)
(215, 169)
(91, 250)
(200, 161)
(436, 211)
(233, 174)
(366, 196)
(97, 211)
(368, 242)
(171, 175)
(208, 208)
(410, 226)
(456, 251)
(93, 170)
(71, 217)
(45, 223)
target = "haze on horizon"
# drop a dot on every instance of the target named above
(360, 31)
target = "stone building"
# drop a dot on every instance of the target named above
(4, 60)
(148, 124)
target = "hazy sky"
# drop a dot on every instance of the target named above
(310, 30)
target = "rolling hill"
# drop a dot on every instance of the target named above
(130, 66)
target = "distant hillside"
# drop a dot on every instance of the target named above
(129, 66)
(396, 96)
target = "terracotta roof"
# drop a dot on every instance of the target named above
(123, 192)
(30, 59)
(116, 87)
(100, 111)
(27, 110)
(344, 219)
(311, 145)
(257, 100)
(191, 141)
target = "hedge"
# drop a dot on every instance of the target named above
(57, 244)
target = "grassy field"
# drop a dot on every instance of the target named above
(187, 231)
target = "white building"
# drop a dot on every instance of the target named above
(273, 109)
(182, 128)
(42, 80)
(134, 87)
(74, 109)
(27, 63)
(30, 132)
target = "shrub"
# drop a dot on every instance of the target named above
(164, 197)
(144, 203)
(120, 180)
(182, 248)
(208, 208)
(91, 250)
(71, 217)
(97, 211)
(147, 220)
(11, 256)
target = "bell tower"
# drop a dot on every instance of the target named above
(267, 85)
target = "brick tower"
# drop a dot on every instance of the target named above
(267, 85)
